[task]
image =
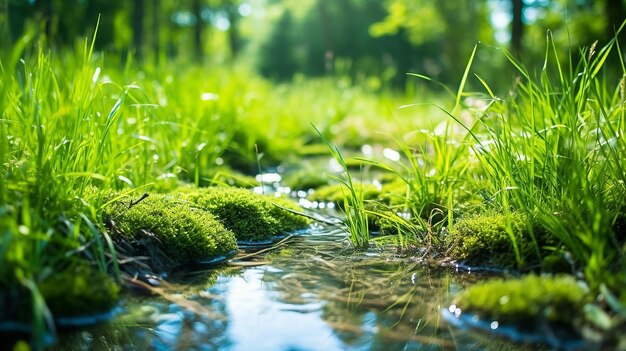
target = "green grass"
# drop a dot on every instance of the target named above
(551, 149)
(353, 200)
(554, 150)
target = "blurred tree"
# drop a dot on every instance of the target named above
(517, 26)
(615, 13)
(277, 56)
(156, 26)
(47, 16)
(137, 25)
(572, 24)
(231, 8)
(446, 31)
(196, 9)
(356, 38)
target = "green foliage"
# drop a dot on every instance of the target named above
(437, 41)
(250, 216)
(494, 239)
(78, 291)
(186, 234)
(526, 301)
(278, 59)
(410, 15)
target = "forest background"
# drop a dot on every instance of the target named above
(373, 42)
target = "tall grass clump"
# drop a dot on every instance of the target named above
(433, 165)
(50, 159)
(69, 135)
(554, 148)
(354, 203)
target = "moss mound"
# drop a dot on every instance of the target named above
(184, 233)
(486, 239)
(337, 193)
(229, 177)
(250, 216)
(79, 290)
(526, 301)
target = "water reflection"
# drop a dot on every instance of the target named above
(315, 295)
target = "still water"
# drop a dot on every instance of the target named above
(311, 293)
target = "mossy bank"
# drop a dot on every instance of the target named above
(250, 216)
(192, 225)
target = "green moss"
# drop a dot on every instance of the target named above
(485, 239)
(525, 301)
(288, 221)
(230, 177)
(79, 290)
(250, 216)
(185, 233)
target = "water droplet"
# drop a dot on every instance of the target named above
(209, 97)
(268, 177)
(494, 325)
(367, 150)
(457, 312)
(391, 154)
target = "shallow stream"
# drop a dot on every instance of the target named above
(310, 293)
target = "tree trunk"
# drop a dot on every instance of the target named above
(329, 45)
(47, 13)
(197, 32)
(137, 24)
(156, 35)
(517, 27)
(233, 31)
(7, 23)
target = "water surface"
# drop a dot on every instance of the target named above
(313, 293)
